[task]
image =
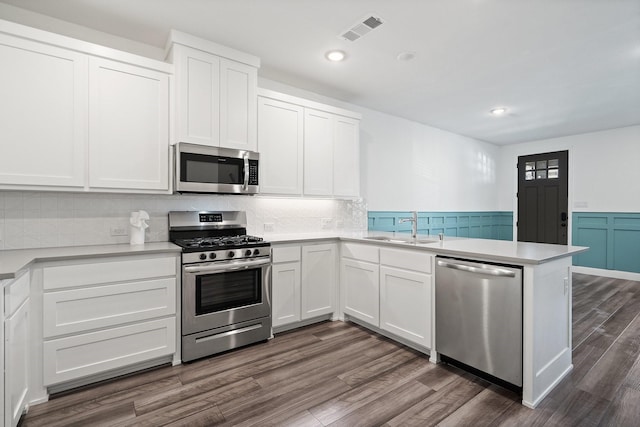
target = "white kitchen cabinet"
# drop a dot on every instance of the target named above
(16, 351)
(318, 280)
(307, 148)
(285, 285)
(128, 126)
(286, 293)
(361, 290)
(2, 370)
(346, 157)
(405, 294)
(43, 115)
(280, 142)
(106, 314)
(360, 282)
(238, 105)
(216, 95)
(318, 152)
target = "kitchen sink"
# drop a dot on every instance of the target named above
(397, 240)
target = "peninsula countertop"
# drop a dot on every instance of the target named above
(482, 249)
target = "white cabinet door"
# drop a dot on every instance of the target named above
(346, 157)
(77, 356)
(2, 356)
(43, 114)
(280, 142)
(405, 304)
(285, 286)
(318, 153)
(128, 127)
(17, 362)
(238, 105)
(198, 96)
(359, 282)
(318, 280)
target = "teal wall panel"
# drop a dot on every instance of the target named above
(484, 225)
(613, 239)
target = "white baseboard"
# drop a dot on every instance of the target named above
(615, 274)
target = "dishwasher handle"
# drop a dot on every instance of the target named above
(487, 270)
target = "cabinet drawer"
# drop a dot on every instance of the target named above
(15, 294)
(106, 271)
(286, 254)
(406, 259)
(79, 310)
(70, 358)
(368, 253)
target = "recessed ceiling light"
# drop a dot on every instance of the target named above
(498, 111)
(335, 55)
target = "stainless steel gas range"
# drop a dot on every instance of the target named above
(226, 282)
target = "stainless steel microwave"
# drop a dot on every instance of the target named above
(205, 169)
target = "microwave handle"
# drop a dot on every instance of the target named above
(246, 171)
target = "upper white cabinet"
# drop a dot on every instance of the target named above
(216, 93)
(346, 156)
(280, 140)
(307, 148)
(77, 116)
(318, 152)
(43, 114)
(128, 126)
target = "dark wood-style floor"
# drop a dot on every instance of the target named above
(339, 374)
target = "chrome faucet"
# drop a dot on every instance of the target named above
(414, 223)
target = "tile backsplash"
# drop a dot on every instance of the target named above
(50, 219)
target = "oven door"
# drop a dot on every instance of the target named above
(223, 293)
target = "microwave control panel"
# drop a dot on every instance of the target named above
(253, 172)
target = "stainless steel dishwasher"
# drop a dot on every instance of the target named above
(479, 317)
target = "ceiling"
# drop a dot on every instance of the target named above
(561, 67)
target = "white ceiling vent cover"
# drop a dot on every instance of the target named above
(362, 27)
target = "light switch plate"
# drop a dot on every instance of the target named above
(325, 223)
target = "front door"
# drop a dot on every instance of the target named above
(542, 197)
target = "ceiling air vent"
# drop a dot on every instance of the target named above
(362, 27)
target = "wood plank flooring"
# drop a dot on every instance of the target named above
(339, 374)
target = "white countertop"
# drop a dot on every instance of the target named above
(12, 261)
(477, 249)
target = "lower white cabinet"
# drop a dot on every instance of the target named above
(16, 351)
(105, 314)
(285, 285)
(93, 353)
(359, 281)
(318, 280)
(303, 282)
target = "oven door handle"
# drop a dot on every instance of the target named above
(223, 267)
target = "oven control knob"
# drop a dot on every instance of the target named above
(203, 256)
(256, 251)
(231, 254)
(212, 256)
(248, 252)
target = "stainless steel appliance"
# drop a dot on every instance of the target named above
(479, 317)
(205, 169)
(226, 282)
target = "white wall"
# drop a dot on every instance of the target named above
(410, 166)
(604, 170)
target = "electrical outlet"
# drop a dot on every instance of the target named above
(339, 223)
(269, 227)
(118, 231)
(326, 222)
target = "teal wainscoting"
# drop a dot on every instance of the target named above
(613, 239)
(483, 225)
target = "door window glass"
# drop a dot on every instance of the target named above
(224, 291)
